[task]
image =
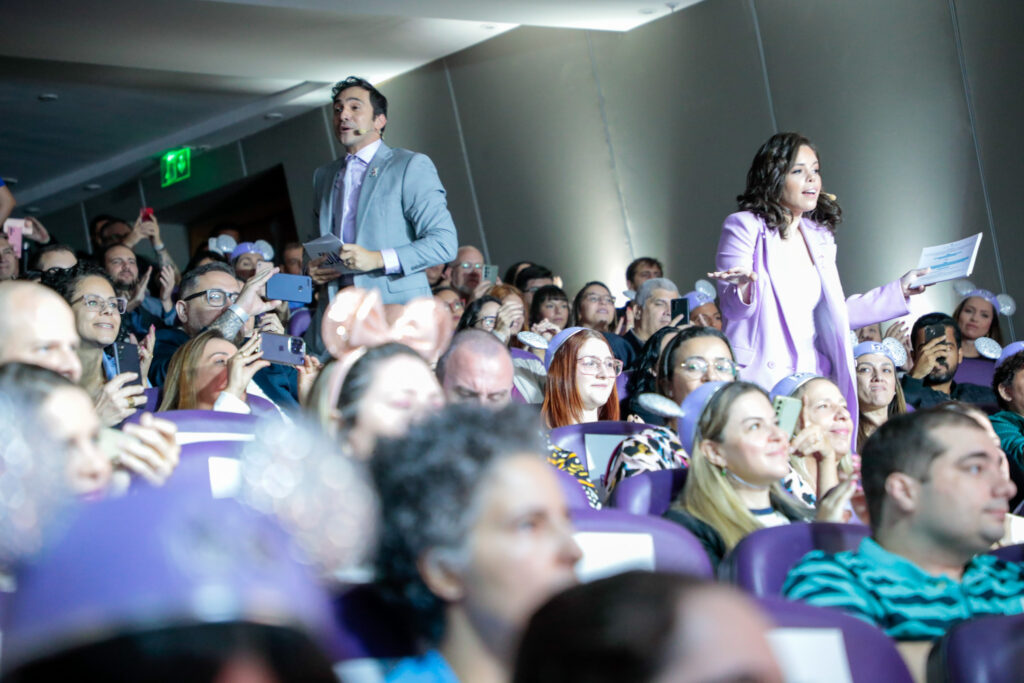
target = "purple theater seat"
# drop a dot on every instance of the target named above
(1009, 553)
(573, 438)
(675, 548)
(648, 493)
(622, 384)
(517, 397)
(575, 498)
(369, 627)
(206, 468)
(152, 399)
(987, 649)
(522, 354)
(870, 654)
(210, 425)
(299, 322)
(759, 563)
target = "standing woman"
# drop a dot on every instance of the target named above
(779, 287)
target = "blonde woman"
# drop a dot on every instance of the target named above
(738, 457)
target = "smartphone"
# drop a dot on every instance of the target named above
(287, 287)
(934, 331)
(126, 359)
(146, 214)
(490, 272)
(13, 229)
(681, 307)
(280, 348)
(787, 412)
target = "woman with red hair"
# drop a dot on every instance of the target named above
(581, 379)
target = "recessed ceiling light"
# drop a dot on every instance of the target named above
(92, 187)
(274, 115)
(48, 97)
(10, 181)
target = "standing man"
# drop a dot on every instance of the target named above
(386, 205)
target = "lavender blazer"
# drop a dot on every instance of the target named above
(760, 338)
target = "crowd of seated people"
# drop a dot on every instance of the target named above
(475, 529)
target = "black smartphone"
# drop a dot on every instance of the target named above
(934, 331)
(681, 307)
(285, 287)
(126, 359)
(280, 348)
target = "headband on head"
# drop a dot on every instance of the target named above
(222, 244)
(1001, 303)
(692, 408)
(788, 385)
(1010, 350)
(556, 342)
(695, 300)
(888, 347)
(260, 247)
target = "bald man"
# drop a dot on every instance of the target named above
(37, 327)
(476, 368)
(466, 272)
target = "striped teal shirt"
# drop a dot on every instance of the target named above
(898, 597)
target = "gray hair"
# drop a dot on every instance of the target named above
(648, 287)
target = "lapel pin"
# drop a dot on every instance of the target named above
(373, 172)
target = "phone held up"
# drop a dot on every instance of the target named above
(282, 349)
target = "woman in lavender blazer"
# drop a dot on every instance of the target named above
(784, 305)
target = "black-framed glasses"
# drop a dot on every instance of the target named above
(598, 299)
(97, 303)
(485, 323)
(217, 298)
(591, 365)
(696, 367)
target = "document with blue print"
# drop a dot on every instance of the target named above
(948, 261)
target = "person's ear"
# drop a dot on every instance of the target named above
(903, 491)
(181, 308)
(1004, 393)
(441, 576)
(712, 453)
(379, 121)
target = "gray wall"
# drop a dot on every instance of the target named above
(584, 149)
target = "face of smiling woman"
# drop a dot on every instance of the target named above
(96, 320)
(803, 183)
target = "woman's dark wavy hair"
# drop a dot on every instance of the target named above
(471, 314)
(360, 377)
(428, 482)
(643, 380)
(667, 361)
(542, 296)
(577, 302)
(767, 177)
(65, 280)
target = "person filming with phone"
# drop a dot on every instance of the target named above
(937, 355)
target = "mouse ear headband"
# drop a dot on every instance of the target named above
(356, 320)
(1002, 303)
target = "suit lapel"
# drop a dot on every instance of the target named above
(373, 174)
(327, 196)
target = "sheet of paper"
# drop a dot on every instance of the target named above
(807, 655)
(225, 476)
(949, 261)
(606, 553)
(328, 246)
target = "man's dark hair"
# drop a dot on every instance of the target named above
(201, 254)
(642, 261)
(377, 100)
(64, 280)
(510, 272)
(1004, 374)
(190, 279)
(905, 443)
(428, 482)
(102, 219)
(534, 272)
(937, 318)
(49, 249)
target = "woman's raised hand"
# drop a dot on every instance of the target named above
(243, 365)
(737, 275)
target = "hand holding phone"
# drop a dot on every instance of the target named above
(285, 287)
(280, 348)
(681, 307)
(787, 412)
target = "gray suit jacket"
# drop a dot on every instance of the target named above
(401, 206)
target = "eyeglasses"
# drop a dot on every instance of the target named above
(456, 305)
(696, 367)
(98, 304)
(486, 322)
(467, 266)
(598, 299)
(216, 298)
(590, 365)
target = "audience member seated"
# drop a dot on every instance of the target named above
(647, 627)
(868, 333)
(38, 327)
(475, 535)
(387, 388)
(201, 257)
(1009, 422)
(476, 368)
(936, 359)
(549, 312)
(652, 311)
(643, 378)
(879, 394)
(466, 273)
(738, 457)
(692, 357)
(511, 316)
(581, 379)
(449, 298)
(90, 292)
(54, 256)
(530, 279)
(246, 259)
(211, 297)
(96, 467)
(210, 373)
(513, 270)
(144, 310)
(482, 314)
(937, 497)
(639, 271)
(594, 307)
(291, 258)
(10, 268)
(977, 315)
(703, 310)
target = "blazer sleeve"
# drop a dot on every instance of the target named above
(737, 247)
(426, 211)
(881, 303)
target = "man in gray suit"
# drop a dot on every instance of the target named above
(386, 205)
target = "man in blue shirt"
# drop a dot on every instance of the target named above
(938, 495)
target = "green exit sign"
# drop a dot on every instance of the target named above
(175, 166)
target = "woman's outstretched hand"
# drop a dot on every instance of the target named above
(907, 281)
(739, 276)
